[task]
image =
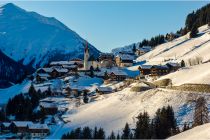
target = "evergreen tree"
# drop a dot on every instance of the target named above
(85, 97)
(194, 31)
(95, 133)
(126, 132)
(142, 130)
(91, 71)
(118, 136)
(134, 48)
(32, 90)
(77, 133)
(86, 133)
(182, 63)
(186, 127)
(101, 134)
(112, 135)
(106, 76)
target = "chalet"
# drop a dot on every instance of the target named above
(124, 60)
(159, 70)
(77, 91)
(45, 70)
(78, 61)
(48, 108)
(104, 90)
(107, 63)
(5, 127)
(41, 77)
(61, 63)
(106, 56)
(57, 72)
(173, 66)
(145, 69)
(20, 127)
(143, 50)
(117, 76)
(38, 130)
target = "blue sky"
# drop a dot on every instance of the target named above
(109, 24)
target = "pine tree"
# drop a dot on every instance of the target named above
(185, 127)
(118, 136)
(85, 97)
(112, 135)
(86, 133)
(77, 133)
(32, 90)
(126, 132)
(134, 48)
(201, 112)
(91, 71)
(194, 31)
(101, 134)
(182, 63)
(142, 130)
(95, 133)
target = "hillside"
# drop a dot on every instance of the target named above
(182, 48)
(112, 111)
(199, 132)
(11, 71)
(34, 39)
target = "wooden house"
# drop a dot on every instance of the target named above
(48, 108)
(104, 90)
(38, 130)
(159, 70)
(117, 76)
(20, 127)
(173, 66)
(145, 69)
(5, 127)
(106, 56)
(41, 77)
(124, 60)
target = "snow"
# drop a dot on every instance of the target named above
(112, 111)
(181, 48)
(199, 132)
(10, 92)
(198, 74)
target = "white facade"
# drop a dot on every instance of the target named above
(86, 57)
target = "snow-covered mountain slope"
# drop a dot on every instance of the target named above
(112, 111)
(197, 133)
(10, 71)
(34, 39)
(128, 48)
(182, 48)
(198, 74)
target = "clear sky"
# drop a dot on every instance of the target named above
(108, 24)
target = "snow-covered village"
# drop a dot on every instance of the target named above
(56, 85)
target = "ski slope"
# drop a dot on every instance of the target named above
(182, 48)
(112, 111)
(200, 132)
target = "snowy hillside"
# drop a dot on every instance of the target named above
(35, 39)
(192, 75)
(181, 48)
(199, 132)
(112, 111)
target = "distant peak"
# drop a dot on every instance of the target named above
(9, 5)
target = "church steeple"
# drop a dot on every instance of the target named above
(86, 56)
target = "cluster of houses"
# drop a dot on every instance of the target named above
(156, 71)
(26, 129)
(75, 66)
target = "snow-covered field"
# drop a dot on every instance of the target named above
(181, 48)
(198, 74)
(200, 132)
(112, 111)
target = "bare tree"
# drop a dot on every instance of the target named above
(201, 112)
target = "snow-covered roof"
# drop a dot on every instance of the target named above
(119, 73)
(38, 126)
(43, 75)
(173, 64)
(61, 70)
(47, 105)
(105, 89)
(69, 66)
(145, 66)
(160, 66)
(22, 123)
(62, 63)
(48, 70)
(6, 124)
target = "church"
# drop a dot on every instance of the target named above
(90, 60)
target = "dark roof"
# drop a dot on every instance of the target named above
(163, 67)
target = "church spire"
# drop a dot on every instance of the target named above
(86, 47)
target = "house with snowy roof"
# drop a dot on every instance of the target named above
(38, 130)
(117, 76)
(5, 127)
(124, 60)
(20, 127)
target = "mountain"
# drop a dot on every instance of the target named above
(11, 71)
(33, 39)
